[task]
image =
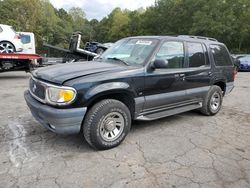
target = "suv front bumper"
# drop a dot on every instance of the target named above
(61, 121)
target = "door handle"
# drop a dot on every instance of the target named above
(210, 73)
(182, 75)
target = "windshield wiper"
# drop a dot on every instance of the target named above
(120, 60)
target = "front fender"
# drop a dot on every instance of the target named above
(106, 87)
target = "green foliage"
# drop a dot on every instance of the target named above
(226, 20)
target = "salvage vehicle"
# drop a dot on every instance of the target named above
(10, 40)
(95, 47)
(138, 78)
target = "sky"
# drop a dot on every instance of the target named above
(100, 8)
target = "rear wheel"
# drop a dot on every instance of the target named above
(7, 47)
(213, 101)
(99, 50)
(107, 124)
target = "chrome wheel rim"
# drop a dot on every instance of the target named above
(6, 47)
(215, 101)
(112, 126)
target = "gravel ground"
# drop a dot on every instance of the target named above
(186, 150)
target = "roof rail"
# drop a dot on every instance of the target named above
(198, 37)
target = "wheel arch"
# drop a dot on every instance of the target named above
(221, 84)
(9, 42)
(122, 95)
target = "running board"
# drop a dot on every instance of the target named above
(170, 112)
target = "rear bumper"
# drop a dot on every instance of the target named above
(61, 121)
(229, 87)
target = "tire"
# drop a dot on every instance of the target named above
(100, 129)
(213, 101)
(7, 47)
(99, 50)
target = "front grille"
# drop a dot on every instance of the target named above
(37, 88)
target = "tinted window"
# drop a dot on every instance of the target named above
(220, 55)
(25, 39)
(173, 52)
(196, 55)
(1, 30)
(206, 54)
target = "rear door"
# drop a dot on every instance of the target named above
(198, 75)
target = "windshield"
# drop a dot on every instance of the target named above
(129, 51)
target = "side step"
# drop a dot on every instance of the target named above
(170, 112)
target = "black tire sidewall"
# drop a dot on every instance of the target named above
(212, 91)
(99, 111)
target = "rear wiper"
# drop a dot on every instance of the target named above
(120, 60)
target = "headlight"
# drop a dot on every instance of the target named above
(60, 95)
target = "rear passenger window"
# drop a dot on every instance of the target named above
(221, 55)
(173, 52)
(196, 54)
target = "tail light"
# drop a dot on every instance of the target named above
(17, 36)
(234, 74)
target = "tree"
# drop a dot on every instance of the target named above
(226, 20)
(78, 17)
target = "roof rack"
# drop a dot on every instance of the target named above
(198, 37)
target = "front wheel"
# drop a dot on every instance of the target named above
(107, 124)
(213, 101)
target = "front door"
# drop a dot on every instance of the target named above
(165, 87)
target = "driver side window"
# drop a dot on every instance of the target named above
(173, 52)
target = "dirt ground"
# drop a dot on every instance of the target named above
(186, 150)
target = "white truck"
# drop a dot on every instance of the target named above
(28, 40)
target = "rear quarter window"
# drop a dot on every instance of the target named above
(221, 55)
(1, 30)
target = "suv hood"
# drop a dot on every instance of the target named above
(59, 74)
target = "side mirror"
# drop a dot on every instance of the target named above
(160, 64)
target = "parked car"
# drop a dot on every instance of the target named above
(95, 47)
(10, 41)
(138, 78)
(244, 62)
